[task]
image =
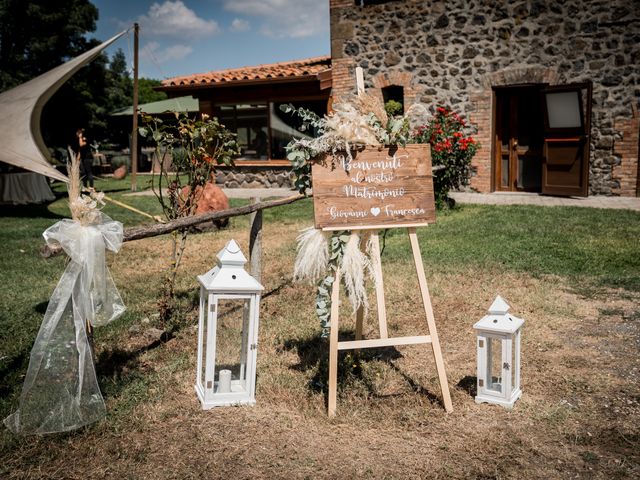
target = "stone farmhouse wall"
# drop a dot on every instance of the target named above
(254, 177)
(453, 52)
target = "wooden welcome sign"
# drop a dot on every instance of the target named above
(379, 187)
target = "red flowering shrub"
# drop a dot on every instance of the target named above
(451, 147)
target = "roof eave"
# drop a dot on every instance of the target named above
(321, 77)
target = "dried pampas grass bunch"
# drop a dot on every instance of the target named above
(347, 124)
(84, 208)
(366, 103)
(315, 260)
(312, 260)
(354, 265)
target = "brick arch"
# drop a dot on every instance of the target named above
(522, 75)
(482, 115)
(396, 78)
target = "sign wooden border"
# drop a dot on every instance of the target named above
(380, 187)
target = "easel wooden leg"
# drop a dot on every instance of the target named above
(428, 309)
(359, 322)
(333, 344)
(360, 311)
(377, 271)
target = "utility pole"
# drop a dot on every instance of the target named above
(134, 131)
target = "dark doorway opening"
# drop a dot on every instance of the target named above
(394, 93)
(519, 138)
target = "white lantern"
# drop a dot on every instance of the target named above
(498, 344)
(227, 332)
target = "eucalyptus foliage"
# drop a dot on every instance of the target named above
(337, 245)
(339, 132)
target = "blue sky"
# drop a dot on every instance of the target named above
(181, 37)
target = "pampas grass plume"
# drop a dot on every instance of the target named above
(354, 265)
(312, 260)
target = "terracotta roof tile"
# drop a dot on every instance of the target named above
(292, 69)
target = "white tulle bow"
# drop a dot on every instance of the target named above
(60, 390)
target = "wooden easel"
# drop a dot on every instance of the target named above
(384, 340)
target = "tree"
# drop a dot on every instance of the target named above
(195, 146)
(38, 35)
(146, 93)
(119, 87)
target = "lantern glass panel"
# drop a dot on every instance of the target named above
(494, 365)
(232, 345)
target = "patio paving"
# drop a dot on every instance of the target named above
(518, 198)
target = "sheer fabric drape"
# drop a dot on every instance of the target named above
(60, 390)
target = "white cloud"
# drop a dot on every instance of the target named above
(175, 19)
(176, 52)
(285, 18)
(240, 25)
(159, 54)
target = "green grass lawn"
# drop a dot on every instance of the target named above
(592, 246)
(590, 250)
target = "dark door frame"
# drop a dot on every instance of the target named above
(496, 164)
(567, 136)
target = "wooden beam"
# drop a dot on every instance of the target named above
(333, 344)
(359, 322)
(359, 80)
(255, 242)
(376, 263)
(384, 342)
(137, 233)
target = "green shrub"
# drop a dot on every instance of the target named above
(451, 148)
(393, 108)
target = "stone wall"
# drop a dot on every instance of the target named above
(242, 176)
(626, 148)
(453, 53)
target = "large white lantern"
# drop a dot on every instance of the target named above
(227, 332)
(498, 344)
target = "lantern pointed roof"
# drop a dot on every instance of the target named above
(231, 254)
(229, 274)
(499, 306)
(498, 319)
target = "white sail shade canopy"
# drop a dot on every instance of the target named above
(21, 142)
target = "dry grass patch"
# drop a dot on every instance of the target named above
(577, 417)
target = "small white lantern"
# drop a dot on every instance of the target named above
(498, 344)
(227, 332)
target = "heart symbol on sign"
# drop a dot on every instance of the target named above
(375, 211)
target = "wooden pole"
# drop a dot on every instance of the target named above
(255, 242)
(359, 80)
(134, 130)
(137, 233)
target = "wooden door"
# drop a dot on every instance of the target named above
(518, 139)
(567, 117)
